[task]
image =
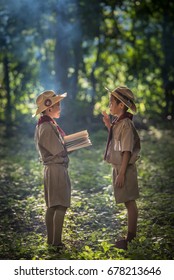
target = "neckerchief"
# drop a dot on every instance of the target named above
(46, 118)
(116, 120)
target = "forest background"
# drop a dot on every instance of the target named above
(80, 47)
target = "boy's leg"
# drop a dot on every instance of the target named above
(132, 213)
(58, 221)
(49, 224)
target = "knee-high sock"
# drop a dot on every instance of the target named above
(58, 220)
(49, 224)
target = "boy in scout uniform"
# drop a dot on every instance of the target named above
(50, 144)
(122, 151)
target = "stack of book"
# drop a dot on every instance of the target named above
(77, 140)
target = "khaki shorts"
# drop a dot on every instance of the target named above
(57, 186)
(130, 189)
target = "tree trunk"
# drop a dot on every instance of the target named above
(168, 52)
(93, 78)
(8, 107)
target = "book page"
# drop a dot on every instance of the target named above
(77, 140)
(76, 135)
(76, 147)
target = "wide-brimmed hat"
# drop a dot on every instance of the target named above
(125, 95)
(47, 99)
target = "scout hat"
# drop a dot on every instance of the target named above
(125, 95)
(47, 99)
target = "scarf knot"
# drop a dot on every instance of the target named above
(46, 118)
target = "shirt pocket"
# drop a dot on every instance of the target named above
(117, 145)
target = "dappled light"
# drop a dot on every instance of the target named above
(81, 47)
(94, 221)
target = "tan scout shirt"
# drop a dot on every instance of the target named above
(57, 186)
(124, 138)
(50, 144)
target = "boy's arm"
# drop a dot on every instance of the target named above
(121, 175)
(106, 120)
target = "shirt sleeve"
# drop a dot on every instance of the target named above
(127, 137)
(49, 140)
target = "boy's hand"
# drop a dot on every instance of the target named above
(121, 175)
(120, 180)
(106, 119)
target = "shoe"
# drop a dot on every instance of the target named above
(121, 244)
(60, 246)
(56, 248)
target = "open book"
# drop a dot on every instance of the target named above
(77, 140)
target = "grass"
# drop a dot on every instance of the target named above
(94, 221)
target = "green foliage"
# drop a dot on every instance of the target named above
(83, 47)
(94, 221)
